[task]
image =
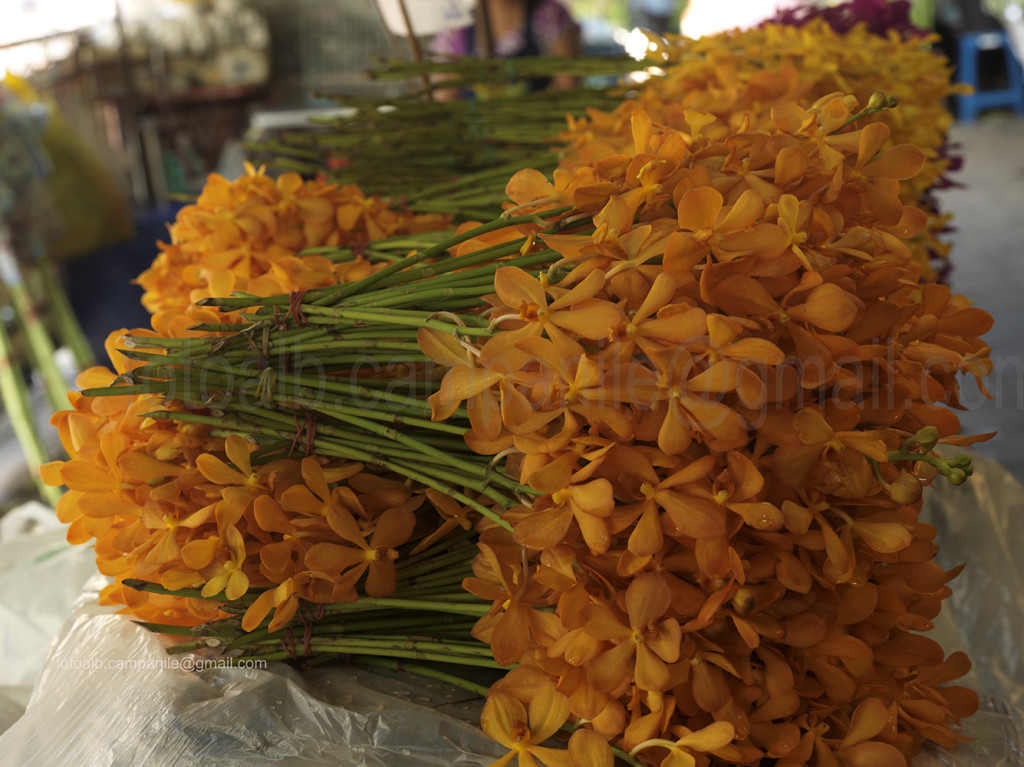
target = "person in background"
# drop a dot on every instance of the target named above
(517, 28)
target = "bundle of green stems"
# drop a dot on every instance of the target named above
(397, 146)
(328, 358)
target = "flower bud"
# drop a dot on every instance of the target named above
(744, 600)
(878, 100)
(927, 438)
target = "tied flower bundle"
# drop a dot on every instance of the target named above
(668, 428)
(738, 76)
(266, 236)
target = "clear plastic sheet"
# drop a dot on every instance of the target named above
(109, 696)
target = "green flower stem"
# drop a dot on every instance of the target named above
(438, 548)
(314, 384)
(486, 179)
(448, 590)
(68, 326)
(38, 343)
(414, 474)
(420, 297)
(434, 560)
(477, 276)
(441, 591)
(477, 610)
(427, 621)
(341, 627)
(155, 588)
(389, 416)
(342, 648)
(475, 650)
(389, 448)
(17, 403)
(426, 671)
(391, 316)
(432, 582)
(348, 415)
(385, 276)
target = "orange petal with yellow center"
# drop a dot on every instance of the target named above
(743, 295)
(723, 427)
(666, 642)
(528, 185)
(698, 209)
(695, 517)
(592, 320)
(199, 553)
(332, 558)
(140, 467)
(381, 580)
(870, 142)
(87, 477)
(289, 183)
(544, 529)
(650, 671)
(678, 758)
(746, 478)
(590, 748)
(50, 473)
(218, 472)
(674, 435)
(760, 515)
(640, 127)
(721, 377)
(500, 714)
(682, 253)
(646, 537)
(873, 754)
(515, 287)
(901, 162)
(344, 524)
(754, 350)
(869, 719)
(107, 505)
(715, 736)
(548, 711)
(316, 481)
(300, 499)
(276, 557)
(743, 213)
(612, 667)
(828, 307)
(315, 209)
(269, 516)
(393, 528)
(258, 610)
(883, 537)
(180, 579)
(511, 635)
(790, 166)
(647, 599)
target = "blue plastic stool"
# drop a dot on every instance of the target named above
(971, 44)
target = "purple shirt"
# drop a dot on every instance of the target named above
(550, 20)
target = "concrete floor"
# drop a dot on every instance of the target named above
(988, 268)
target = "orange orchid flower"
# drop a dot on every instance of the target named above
(576, 311)
(647, 642)
(376, 557)
(507, 721)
